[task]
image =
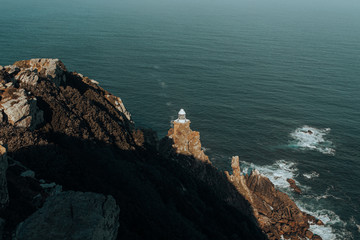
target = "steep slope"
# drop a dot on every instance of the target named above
(68, 130)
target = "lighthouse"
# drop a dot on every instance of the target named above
(182, 117)
(186, 141)
(181, 123)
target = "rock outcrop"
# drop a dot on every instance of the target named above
(293, 185)
(4, 195)
(30, 70)
(73, 215)
(19, 108)
(69, 103)
(276, 213)
(187, 141)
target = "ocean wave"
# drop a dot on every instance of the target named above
(277, 172)
(311, 175)
(205, 149)
(310, 138)
(330, 219)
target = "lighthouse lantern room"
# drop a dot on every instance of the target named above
(182, 117)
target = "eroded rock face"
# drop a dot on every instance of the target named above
(276, 213)
(20, 108)
(117, 102)
(52, 69)
(293, 185)
(187, 141)
(73, 215)
(4, 195)
(41, 92)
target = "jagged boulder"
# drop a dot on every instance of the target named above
(27, 76)
(52, 69)
(20, 108)
(293, 185)
(72, 215)
(4, 195)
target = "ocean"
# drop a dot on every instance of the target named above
(253, 76)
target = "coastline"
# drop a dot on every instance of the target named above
(32, 114)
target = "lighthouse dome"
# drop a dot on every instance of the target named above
(182, 116)
(182, 112)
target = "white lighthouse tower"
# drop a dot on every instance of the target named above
(182, 117)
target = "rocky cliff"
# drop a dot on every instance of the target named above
(186, 141)
(276, 213)
(75, 157)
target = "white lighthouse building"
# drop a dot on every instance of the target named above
(182, 117)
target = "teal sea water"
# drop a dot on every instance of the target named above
(253, 76)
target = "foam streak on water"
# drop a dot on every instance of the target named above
(310, 138)
(311, 175)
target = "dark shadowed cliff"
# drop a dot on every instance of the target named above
(74, 157)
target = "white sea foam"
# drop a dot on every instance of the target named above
(205, 149)
(313, 174)
(277, 172)
(311, 138)
(329, 218)
(326, 194)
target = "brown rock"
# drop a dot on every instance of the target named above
(319, 222)
(311, 218)
(293, 185)
(316, 237)
(292, 224)
(186, 141)
(285, 228)
(283, 221)
(309, 234)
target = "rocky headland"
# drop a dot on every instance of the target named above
(277, 215)
(73, 165)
